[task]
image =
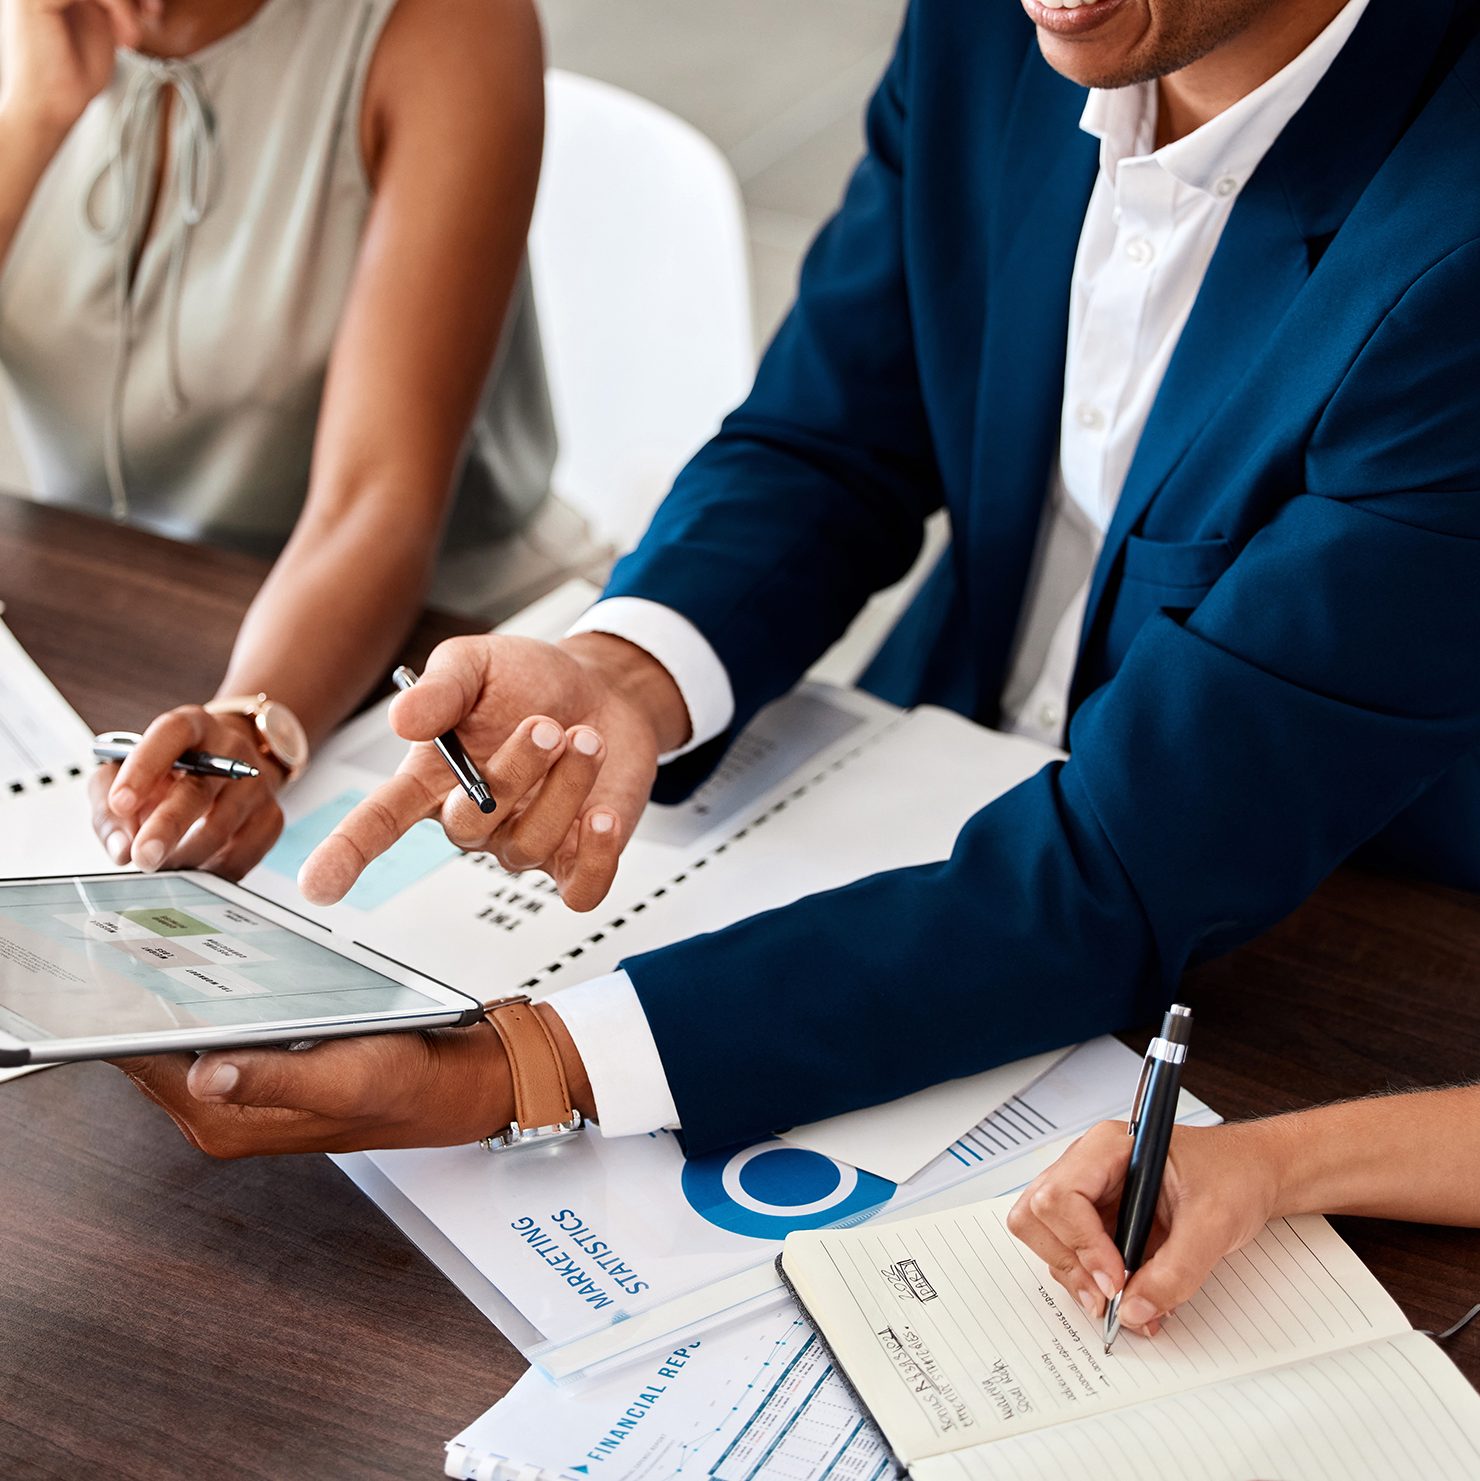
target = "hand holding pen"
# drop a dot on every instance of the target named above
(184, 795)
(1153, 1115)
(1220, 1186)
(118, 745)
(535, 724)
(450, 749)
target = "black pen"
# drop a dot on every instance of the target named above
(116, 745)
(1153, 1114)
(458, 762)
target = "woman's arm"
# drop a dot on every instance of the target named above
(1413, 1156)
(452, 132)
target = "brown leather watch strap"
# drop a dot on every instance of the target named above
(541, 1094)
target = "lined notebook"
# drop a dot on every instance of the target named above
(1292, 1361)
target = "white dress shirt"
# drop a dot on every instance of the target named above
(1153, 222)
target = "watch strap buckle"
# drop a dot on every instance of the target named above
(543, 1112)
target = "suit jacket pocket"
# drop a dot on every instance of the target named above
(1182, 570)
(1160, 576)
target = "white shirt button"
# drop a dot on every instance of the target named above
(1049, 715)
(1140, 251)
(1089, 417)
(1226, 186)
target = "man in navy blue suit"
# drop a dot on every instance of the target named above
(1192, 361)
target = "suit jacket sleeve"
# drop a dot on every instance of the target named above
(814, 493)
(1237, 757)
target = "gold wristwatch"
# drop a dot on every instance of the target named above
(542, 1109)
(280, 733)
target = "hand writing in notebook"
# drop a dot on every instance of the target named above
(1215, 1198)
(1389, 1157)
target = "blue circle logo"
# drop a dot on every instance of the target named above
(768, 1190)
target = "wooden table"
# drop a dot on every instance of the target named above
(158, 1309)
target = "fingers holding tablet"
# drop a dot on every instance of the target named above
(442, 1087)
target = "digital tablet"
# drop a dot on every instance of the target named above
(98, 966)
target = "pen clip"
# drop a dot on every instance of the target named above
(118, 738)
(1139, 1096)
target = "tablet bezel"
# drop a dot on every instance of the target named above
(455, 1008)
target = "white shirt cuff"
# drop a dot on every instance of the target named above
(611, 1033)
(682, 649)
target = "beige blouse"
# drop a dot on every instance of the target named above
(187, 400)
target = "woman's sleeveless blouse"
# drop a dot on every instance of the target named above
(187, 400)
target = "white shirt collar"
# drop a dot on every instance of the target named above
(1229, 146)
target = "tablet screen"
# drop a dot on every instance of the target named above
(142, 953)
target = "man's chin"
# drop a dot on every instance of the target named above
(1091, 42)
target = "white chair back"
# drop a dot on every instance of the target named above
(642, 285)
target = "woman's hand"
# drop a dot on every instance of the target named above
(59, 56)
(567, 736)
(159, 818)
(1222, 1185)
(439, 1088)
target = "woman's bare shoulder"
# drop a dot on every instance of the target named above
(473, 68)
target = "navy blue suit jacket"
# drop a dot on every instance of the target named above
(1279, 666)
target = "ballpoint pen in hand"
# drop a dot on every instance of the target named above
(118, 745)
(1153, 1114)
(451, 750)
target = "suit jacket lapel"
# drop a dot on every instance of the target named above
(1302, 191)
(1039, 198)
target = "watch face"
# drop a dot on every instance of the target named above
(284, 734)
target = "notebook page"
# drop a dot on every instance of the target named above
(954, 1333)
(1385, 1411)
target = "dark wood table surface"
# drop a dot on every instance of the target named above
(165, 1315)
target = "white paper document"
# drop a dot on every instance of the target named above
(896, 1139)
(45, 759)
(756, 1400)
(48, 830)
(41, 735)
(25, 1069)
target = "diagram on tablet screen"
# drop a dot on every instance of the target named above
(136, 953)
